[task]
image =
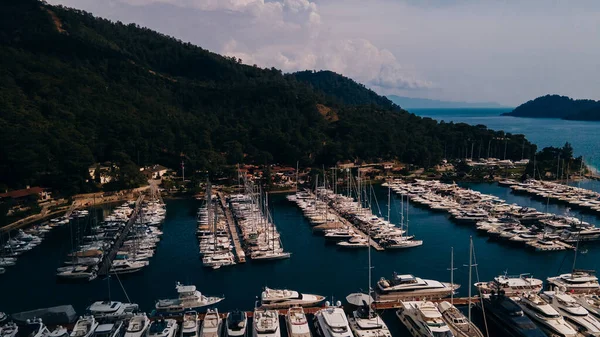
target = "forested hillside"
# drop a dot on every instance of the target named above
(555, 106)
(75, 90)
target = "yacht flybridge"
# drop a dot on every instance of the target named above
(283, 298)
(579, 281)
(331, 322)
(296, 323)
(547, 318)
(364, 322)
(423, 319)
(189, 299)
(406, 287)
(266, 323)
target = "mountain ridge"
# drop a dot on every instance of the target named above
(557, 106)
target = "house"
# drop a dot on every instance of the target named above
(154, 171)
(40, 193)
(102, 172)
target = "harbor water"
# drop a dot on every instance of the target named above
(314, 267)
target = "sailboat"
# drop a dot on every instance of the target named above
(460, 325)
(364, 322)
(402, 241)
(274, 253)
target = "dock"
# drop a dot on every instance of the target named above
(239, 252)
(372, 242)
(108, 258)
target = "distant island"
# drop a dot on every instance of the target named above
(556, 106)
(424, 103)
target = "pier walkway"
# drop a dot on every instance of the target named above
(239, 252)
(372, 242)
(108, 258)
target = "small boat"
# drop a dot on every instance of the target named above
(109, 329)
(296, 323)
(458, 323)
(87, 273)
(283, 298)
(7, 261)
(138, 326)
(364, 322)
(354, 242)
(162, 328)
(212, 324)
(189, 325)
(189, 299)
(590, 302)
(84, 327)
(237, 324)
(265, 323)
(127, 266)
(3, 318)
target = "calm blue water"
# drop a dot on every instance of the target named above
(315, 266)
(584, 136)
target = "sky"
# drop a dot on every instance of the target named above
(505, 51)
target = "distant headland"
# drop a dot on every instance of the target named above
(556, 106)
(424, 103)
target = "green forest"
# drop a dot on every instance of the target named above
(555, 106)
(77, 90)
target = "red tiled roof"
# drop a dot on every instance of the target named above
(22, 193)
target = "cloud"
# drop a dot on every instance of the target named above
(287, 34)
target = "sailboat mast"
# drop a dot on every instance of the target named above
(297, 163)
(470, 273)
(452, 273)
(389, 203)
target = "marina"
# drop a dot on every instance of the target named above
(180, 255)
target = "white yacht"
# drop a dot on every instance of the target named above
(109, 329)
(576, 315)
(127, 266)
(296, 323)
(138, 326)
(212, 324)
(423, 319)
(7, 261)
(283, 298)
(579, 281)
(590, 302)
(331, 321)
(411, 287)
(511, 285)
(162, 328)
(189, 298)
(458, 323)
(189, 325)
(364, 322)
(237, 324)
(109, 310)
(547, 318)
(58, 331)
(77, 272)
(355, 242)
(84, 327)
(265, 323)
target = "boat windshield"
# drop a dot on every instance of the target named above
(442, 334)
(189, 334)
(339, 329)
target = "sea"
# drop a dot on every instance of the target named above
(583, 135)
(315, 266)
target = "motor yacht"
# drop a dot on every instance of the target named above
(511, 285)
(296, 323)
(7, 261)
(508, 317)
(405, 287)
(590, 302)
(283, 298)
(84, 327)
(138, 326)
(112, 310)
(189, 324)
(265, 323)
(87, 273)
(162, 328)
(127, 266)
(212, 324)
(458, 323)
(58, 331)
(423, 319)
(579, 282)
(237, 324)
(575, 314)
(9, 330)
(108, 329)
(331, 321)
(189, 298)
(364, 322)
(545, 316)
(356, 241)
